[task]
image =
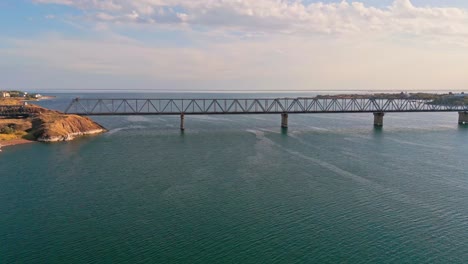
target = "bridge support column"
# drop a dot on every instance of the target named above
(463, 118)
(378, 119)
(182, 122)
(284, 120)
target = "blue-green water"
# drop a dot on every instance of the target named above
(238, 189)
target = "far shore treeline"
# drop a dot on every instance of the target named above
(20, 94)
(435, 98)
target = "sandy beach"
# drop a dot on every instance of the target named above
(13, 142)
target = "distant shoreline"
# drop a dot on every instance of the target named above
(124, 91)
(47, 97)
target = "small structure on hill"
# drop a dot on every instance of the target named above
(4, 94)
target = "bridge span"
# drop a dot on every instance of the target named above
(281, 106)
(230, 106)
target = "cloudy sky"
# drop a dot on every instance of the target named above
(234, 44)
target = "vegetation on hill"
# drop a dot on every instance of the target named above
(439, 99)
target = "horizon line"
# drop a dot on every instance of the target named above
(247, 90)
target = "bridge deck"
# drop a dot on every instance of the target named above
(252, 106)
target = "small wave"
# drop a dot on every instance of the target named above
(115, 130)
(138, 119)
(270, 131)
(353, 155)
(353, 139)
(208, 118)
(319, 128)
(258, 133)
(404, 142)
(332, 168)
(256, 118)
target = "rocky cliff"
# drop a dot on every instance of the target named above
(52, 127)
(48, 126)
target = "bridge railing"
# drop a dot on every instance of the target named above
(255, 106)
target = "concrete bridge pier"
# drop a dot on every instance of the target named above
(463, 118)
(182, 122)
(284, 120)
(378, 119)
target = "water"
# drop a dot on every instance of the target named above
(238, 189)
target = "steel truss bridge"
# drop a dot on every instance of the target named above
(283, 106)
(252, 106)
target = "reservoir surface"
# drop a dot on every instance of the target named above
(239, 189)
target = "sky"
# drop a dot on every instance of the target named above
(233, 45)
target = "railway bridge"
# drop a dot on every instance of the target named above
(232, 106)
(281, 106)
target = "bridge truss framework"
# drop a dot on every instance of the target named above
(252, 106)
(283, 106)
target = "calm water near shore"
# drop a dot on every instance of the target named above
(238, 189)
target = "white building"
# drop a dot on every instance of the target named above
(4, 94)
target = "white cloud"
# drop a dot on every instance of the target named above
(108, 5)
(285, 16)
(281, 45)
(289, 63)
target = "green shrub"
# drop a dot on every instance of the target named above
(7, 130)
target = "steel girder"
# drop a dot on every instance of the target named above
(252, 106)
